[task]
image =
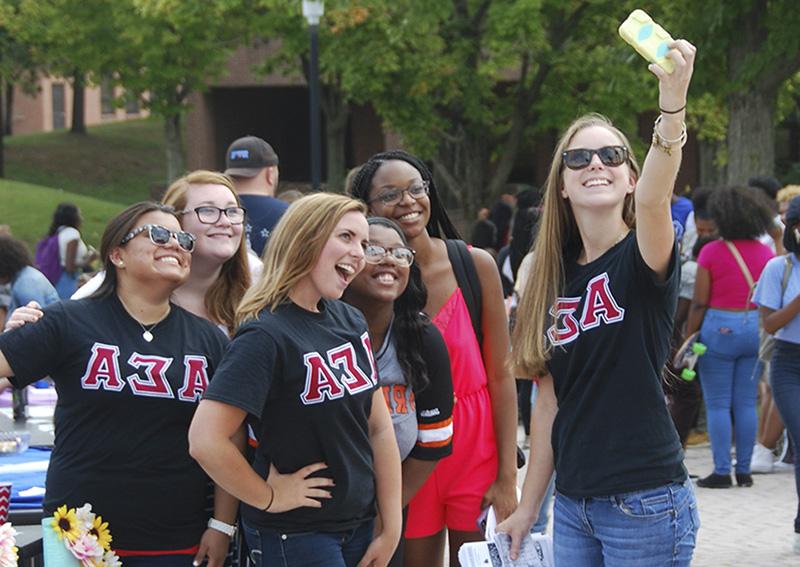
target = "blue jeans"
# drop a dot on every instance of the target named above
(784, 375)
(308, 549)
(726, 375)
(655, 527)
(67, 284)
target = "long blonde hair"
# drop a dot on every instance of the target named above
(293, 249)
(557, 236)
(227, 291)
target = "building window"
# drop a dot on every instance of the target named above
(132, 104)
(59, 113)
(106, 97)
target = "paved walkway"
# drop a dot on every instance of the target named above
(744, 526)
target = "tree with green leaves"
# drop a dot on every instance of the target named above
(70, 38)
(749, 50)
(172, 48)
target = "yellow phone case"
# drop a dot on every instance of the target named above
(648, 38)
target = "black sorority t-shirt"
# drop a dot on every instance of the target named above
(613, 433)
(123, 414)
(306, 380)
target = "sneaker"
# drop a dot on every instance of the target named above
(744, 480)
(780, 466)
(715, 480)
(761, 463)
(797, 543)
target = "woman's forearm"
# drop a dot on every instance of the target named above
(540, 465)
(386, 462)
(779, 318)
(503, 396)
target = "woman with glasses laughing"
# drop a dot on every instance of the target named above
(130, 367)
(594, 325)
(481, 471)
(410, 353)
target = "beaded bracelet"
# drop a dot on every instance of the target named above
(666, 145)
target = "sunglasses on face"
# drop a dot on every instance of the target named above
(208, 214)
(394, 195)
(611, 156)
(160, 235)
(374, 254)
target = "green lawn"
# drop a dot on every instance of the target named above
(28, 209)
(120, 162)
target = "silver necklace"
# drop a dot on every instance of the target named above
(147, 332)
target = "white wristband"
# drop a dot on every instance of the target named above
(227, 529)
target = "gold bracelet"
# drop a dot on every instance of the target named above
(666, 145)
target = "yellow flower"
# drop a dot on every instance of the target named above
(100, 530)
(65, 523)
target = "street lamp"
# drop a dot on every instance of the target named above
(312, 11)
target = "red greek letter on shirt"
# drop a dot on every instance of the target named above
(354, 379)
(195, 379)
(102, 370)
(600, 304)
(154, 384)
(565, 329)
(320, 381)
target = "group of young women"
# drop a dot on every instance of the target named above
(325, 418)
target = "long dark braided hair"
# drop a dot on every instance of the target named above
(409, 320)
(439, 224)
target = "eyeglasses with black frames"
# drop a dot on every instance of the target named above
(208, 214)
(394, 195)
(374, 254)
(160, 235)
(611, 156)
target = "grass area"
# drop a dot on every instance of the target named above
(120, 162)
(28, 210)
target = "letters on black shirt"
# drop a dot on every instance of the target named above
(611, 331)
(123, 414)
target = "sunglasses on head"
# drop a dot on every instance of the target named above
(160, 235)
(611, 156)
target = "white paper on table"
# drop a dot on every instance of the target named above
(35, 466)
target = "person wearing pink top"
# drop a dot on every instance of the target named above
(723, 311)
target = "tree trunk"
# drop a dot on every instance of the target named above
(336, 110)
(78, 103)
(711, 173)
(172, 134)
(751, 135)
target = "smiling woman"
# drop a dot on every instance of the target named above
(301, 368)
(109, 357)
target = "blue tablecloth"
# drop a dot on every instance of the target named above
(23, 480)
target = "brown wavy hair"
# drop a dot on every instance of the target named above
(234, 278)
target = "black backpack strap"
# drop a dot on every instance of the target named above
(467, 279)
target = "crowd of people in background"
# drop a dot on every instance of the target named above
(336, 373)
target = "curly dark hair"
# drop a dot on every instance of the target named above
(741, 213)
(66, 214)
(409, 320)
(700, 198)
(439, 224)
(14, 256)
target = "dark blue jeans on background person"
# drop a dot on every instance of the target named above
(309, 549)
(784, 376)
(726, 371)
(655, 527)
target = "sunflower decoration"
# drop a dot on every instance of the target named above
(65, 524)
(85, 536)
(101, 532)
